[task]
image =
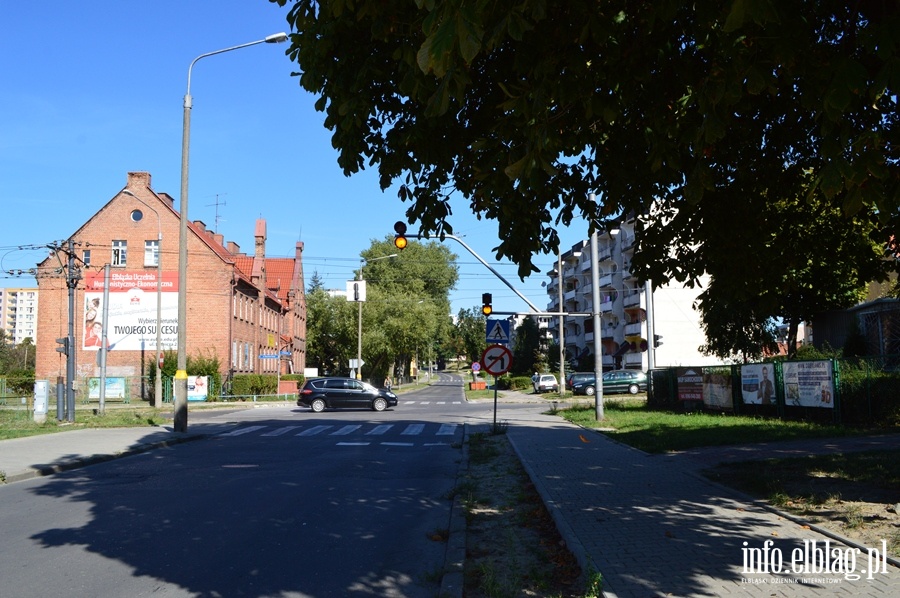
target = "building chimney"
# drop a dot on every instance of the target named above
(233, 248)
(260, 239)
(200, 225)
(138, 180)
(220, 239)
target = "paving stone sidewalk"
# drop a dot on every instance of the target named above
(652, 527)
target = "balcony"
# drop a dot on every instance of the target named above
(634, 329)
(632, 298)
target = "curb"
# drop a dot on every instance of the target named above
(453, 581)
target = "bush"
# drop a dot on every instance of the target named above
(254, 384)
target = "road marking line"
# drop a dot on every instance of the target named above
(378, 430)
(353, 444)
(345, 430)
(314, 430)
(413, 430)
(447, 430)
(241, 431)
(397, 444)
(283, 430)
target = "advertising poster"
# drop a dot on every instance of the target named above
(757, 384)
(690, 384)
(198, 388)
(717, 391)
(115, 388)
(809, 384)
(132, 311)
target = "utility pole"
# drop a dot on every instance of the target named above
(73, 275)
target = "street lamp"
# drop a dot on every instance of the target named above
(157, 384)
(362, 264)
(180, 382)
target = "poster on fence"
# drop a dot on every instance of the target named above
(690, 384)
(198, 388)
(115, 388)
(717, 390)
(757, 384)
(808, 384)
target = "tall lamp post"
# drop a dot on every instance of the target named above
(135, 215)
(181, 379)
(362, 264)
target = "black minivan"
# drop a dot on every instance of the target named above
(335, 393)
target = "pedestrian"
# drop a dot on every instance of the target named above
(387, 382)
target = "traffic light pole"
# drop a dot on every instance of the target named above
(533, 307)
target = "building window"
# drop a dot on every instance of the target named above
(86, 257)
(119, 253)
(151, 253)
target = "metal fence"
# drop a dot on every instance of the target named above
(859, 391)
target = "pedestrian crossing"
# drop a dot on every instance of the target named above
(432, 402)
(405, 434)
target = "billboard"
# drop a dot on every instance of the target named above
(131, 324)
(808, 384)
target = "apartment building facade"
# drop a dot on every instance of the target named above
(19, 314)
(241, 309)
(625, 337)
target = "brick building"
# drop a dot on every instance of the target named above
(241, 308)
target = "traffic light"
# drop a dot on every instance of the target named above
(486, 308)
(64, 345)
(657, 340)
(400, 240)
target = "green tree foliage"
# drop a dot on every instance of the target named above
(678, 110)
(527, 355)
(805, 261)
(406, 313)
(470, 333)
(331, 326)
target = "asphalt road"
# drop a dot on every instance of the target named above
(283, 503)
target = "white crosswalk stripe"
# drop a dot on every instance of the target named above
(283, 430)
(362, 430)
(241, 431)
(345, 430)
(314, 430)
(379, 430)
(447, 430)
(413, 430)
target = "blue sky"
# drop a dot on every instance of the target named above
(92, 90)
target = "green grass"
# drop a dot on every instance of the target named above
(20, 423)
(661, 431)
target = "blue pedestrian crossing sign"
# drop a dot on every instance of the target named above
(497, 332)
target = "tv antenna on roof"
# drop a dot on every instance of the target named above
(217, 204)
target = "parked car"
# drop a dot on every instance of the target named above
(630, 381)
(576, 377)
(334, 393)
(545, 383)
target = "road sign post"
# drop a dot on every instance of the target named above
(496, 359)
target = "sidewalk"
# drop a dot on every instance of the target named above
(651, 526)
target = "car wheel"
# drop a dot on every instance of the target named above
(318, 405)
(379, 404)
(633, 389)
(589, 391)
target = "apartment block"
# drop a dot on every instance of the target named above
(19, 314)
(625, 337)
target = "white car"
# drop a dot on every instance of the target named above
(545, 383)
